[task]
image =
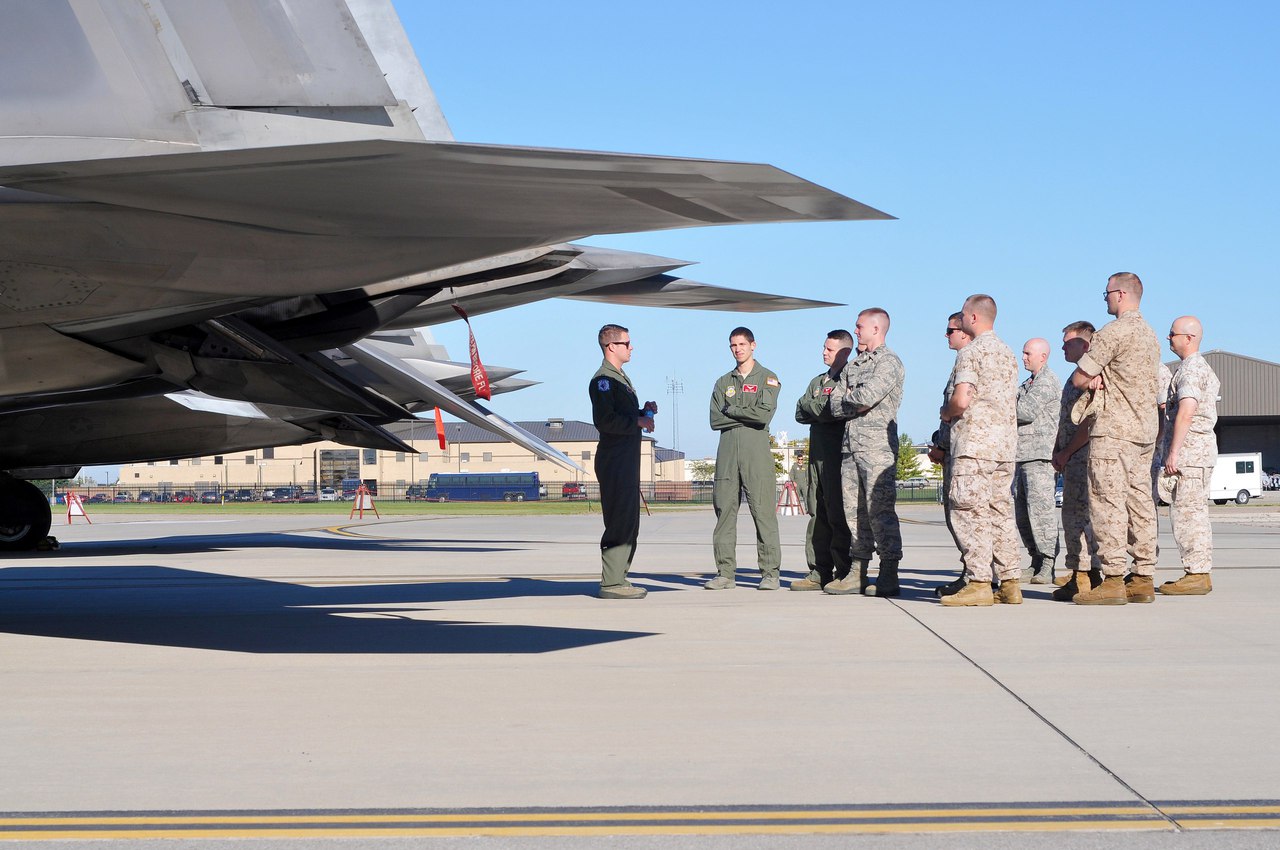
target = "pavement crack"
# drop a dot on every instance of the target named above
(1045, 720)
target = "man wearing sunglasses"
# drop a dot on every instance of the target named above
(616, 412)
(1123, 360)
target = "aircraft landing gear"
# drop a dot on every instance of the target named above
(25, 516)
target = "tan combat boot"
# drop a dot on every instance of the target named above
(973, 594)
(1139, 588)
(854, 583)
(813, 581)
(1191, 584)
(1110, 592)
(1010, 593)
(1077, 582)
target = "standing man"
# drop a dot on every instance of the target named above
(1190, 451)
(826, 542)
(1123, 360)
(1163, 378)
(1033, 483)
(984, 440)
(867, 395)
(742, 405)
(616, 412)
(1071, 458)
(940, 449)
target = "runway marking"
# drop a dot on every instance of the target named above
(720, 820)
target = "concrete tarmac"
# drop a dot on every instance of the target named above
(365, 681)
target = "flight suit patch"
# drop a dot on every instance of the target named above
(603, 385)
(751, 388)
(773, 382)
(730, 392)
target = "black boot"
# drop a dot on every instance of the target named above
(886, 583)
(950, 588)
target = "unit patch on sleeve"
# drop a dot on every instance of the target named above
(603, 385)
(730, 392)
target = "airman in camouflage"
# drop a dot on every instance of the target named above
(1033, 483)
(827, 536)
(984, 442)
(1071, 458)
(867, 395)
(940, 449)
(1123, 361)
(742, 406)
(1190, 451)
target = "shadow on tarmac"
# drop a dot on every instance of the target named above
(203, 543)
(162, 606)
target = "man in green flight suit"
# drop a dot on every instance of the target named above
(742, 405)
(616, 412)
(827, 539)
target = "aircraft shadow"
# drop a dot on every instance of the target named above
(202, 543)
(163, 606)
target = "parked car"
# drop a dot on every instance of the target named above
(308, 497)
(913, 483)
(184, 496)
(121, 497)
(98, 498)
(244, 494)
(145, 496)
(162, 497)
(573, 490)
(328, 494)
(209, 497)
(286, 494)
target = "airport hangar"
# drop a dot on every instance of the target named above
(1248, 405)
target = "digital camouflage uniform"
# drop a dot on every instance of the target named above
(615, 409)
(827, 536)
(942, 439)
(1163, 378)
(741, 410)
(1126, 353)
(1188, 492)
(1037, 516)
(984, 442)
(867, 397)
(1077, 531)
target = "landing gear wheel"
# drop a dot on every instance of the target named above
(24, 515)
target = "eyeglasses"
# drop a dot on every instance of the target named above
(951, 331)
(1172, 334)
(625, 342)
(1109, 292)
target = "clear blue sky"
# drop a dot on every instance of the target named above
(1028, 150)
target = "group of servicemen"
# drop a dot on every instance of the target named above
(1123, 432)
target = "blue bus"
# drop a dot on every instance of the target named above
(482, 487)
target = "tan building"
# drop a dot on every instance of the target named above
(327, 464)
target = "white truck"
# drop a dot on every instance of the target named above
(1236, 477)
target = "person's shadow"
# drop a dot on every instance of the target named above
(164, 606)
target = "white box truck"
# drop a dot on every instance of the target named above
(1236, 477)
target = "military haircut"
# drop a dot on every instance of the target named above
(1083, 329)
(983, 305)
(956, 316)
(1128, 281)
(879, 312)
(841, 335)
(743, 332)
(610, 333)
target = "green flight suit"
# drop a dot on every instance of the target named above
(615, 409)
(827, 539)
(741, 409)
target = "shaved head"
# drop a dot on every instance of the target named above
(1037, 346)
(1187, 325)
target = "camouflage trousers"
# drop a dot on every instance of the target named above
(1188, 497)
(870, 493)
(982, 514)
(1034, 509)
(1120, 506)
(1077, 530)
(946, 508)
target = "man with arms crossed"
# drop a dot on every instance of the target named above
(1071, 458)
(742, 406)
(1190, 451)
(1123, 360)
(616, 412)
(827, 536)
(867, 395)
(984, 441)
